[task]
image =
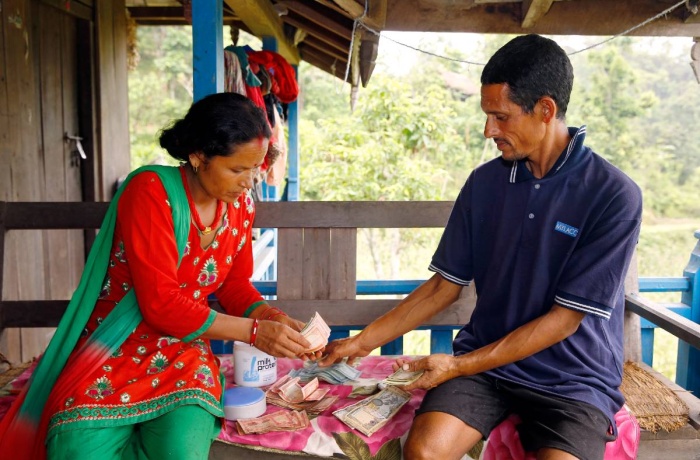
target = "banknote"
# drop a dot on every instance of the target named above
(336, 374)
(276, 421)
(371, 414)
(289, 393)
(316, 331)
(401, 377)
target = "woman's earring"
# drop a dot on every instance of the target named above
(195, 168)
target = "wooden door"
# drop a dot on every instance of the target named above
(42, 98)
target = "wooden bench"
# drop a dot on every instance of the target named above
(316, 266)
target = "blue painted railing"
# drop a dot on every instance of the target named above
(688, 361)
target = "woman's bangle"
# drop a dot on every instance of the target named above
(254, 332)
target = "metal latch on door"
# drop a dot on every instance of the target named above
(78, 145)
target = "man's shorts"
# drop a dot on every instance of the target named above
(482, 402)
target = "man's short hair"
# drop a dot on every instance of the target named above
(532, 66)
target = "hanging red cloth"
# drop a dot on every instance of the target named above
(285, 85)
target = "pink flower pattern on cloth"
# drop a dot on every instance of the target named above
(372, 367)
(504, 441)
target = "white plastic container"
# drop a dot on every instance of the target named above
(252, 367)
(242, 402)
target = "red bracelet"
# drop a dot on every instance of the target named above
(254, 332)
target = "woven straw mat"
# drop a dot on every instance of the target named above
(654, 405)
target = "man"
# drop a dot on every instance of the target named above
(546, 232)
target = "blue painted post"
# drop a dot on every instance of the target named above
(339, 332)
(648, 346)
(208, 70)
(441, 341)
(207, 47)
(688, 364)
(395, 347)
(293, 151)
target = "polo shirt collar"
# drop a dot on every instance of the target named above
(573, 151)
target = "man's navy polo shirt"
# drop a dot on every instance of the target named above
(529, 243)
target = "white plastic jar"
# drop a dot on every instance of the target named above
(252, 367)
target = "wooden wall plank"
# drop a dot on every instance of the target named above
(290, 263)
(112, 95)
(342, 266)
(317, 258)
(9, 338)
(24, 253)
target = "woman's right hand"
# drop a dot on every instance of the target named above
(280, 340)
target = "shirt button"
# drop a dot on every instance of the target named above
(537, 186)
(531, 216)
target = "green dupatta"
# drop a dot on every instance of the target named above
(55, 373)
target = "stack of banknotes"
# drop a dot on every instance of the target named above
(283, 420)
(372, 413)
(401, 377)
(336, 374)
(316, 331)
(289, 393)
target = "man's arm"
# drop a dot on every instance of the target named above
(427, 300)
(530, 338)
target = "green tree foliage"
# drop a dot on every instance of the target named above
(160, 88)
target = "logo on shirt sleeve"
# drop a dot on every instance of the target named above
(566, 229)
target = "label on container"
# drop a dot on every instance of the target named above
(252, 367)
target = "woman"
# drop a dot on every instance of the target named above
(141, 381)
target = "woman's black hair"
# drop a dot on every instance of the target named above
(214, 125)
(532, 66)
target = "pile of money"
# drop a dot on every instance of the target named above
(372, 413)
(289, 389)
(316, 331)
(288, 393)
(336, 374)
(283, 420)
(401, 377)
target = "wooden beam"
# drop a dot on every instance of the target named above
(354, 214)
(533, 10)
(337, 71)
(590, 17)
(376, 12)
(369, 49)
(331, 39)
(330, 21)
(322, 58)
(263, 20)
(167, 15)
(323, 47)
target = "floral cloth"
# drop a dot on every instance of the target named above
(162, 364)
(321, 437)
(318, 439)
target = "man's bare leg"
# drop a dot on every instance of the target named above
(548, 453)
(439, 435)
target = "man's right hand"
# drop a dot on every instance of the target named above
(338, 349)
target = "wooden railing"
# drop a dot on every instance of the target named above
(316, 257)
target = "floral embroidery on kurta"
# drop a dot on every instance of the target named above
(100, 389)
(204, 375)
(209, 272)
(158, 363)
(154, 370)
